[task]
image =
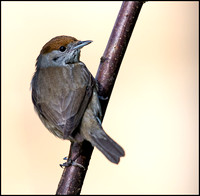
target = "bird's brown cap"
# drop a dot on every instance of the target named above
(56, 42)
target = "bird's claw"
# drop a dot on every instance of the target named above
(70, 162)
(103, 98)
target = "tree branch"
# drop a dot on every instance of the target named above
(73, 177)
(116, 47)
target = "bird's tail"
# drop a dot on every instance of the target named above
(106, 145)
(109, 147)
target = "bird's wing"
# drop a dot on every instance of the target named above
(79, 100)
(65, 112)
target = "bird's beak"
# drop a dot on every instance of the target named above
(81, 44)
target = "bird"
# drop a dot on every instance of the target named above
(65, 96)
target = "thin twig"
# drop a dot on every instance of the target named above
(72, 178)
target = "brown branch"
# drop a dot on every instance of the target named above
(116, 47)
(73, 177)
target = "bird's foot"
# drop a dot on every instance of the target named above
(71, 162)
(103, 98)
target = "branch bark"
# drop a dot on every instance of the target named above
(72, 178)
(116, 47)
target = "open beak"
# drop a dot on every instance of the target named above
(81, 44)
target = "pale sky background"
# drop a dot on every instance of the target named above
(152, 113)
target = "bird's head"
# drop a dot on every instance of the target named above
(60, 51)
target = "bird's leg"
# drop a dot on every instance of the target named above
(73, 156)
(71, 162)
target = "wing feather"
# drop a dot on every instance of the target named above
(67, 104)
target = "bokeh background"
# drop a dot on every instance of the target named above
(152, 113)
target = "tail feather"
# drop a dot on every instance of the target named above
(107, 146)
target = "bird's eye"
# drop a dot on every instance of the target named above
(62, 48)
